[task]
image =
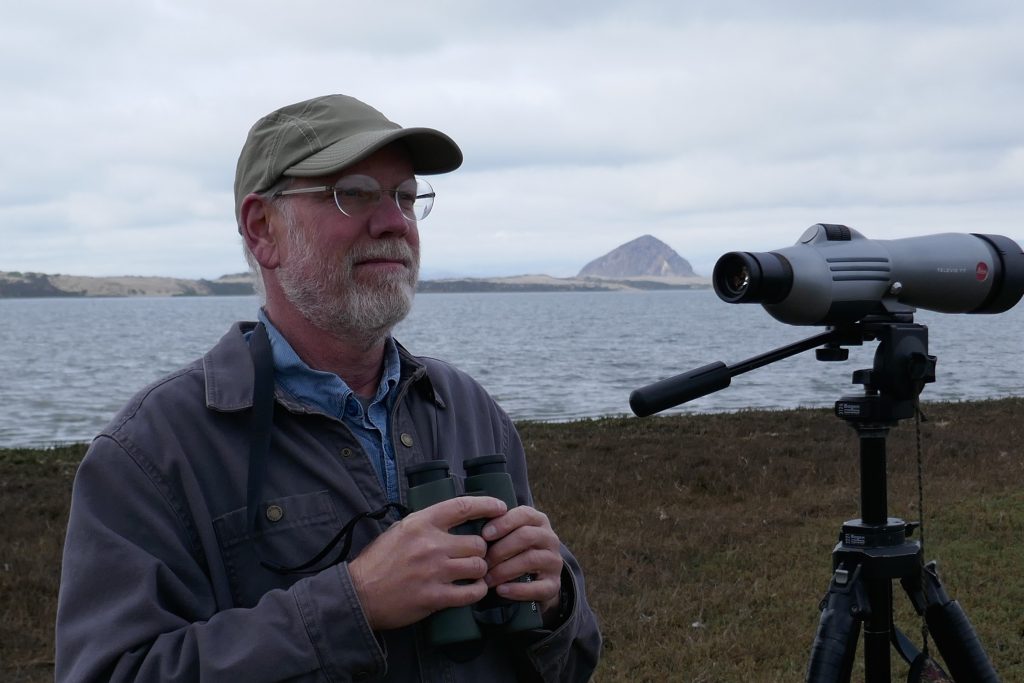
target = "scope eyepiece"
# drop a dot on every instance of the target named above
(743, 277)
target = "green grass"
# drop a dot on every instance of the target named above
(706, 540)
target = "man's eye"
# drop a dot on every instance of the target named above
(357, 195)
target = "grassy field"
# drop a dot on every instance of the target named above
(706, 539)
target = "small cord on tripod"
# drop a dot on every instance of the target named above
(920, 417)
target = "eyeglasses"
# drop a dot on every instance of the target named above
(356, 195)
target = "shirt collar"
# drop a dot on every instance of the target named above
(318, 390)
(228, 371)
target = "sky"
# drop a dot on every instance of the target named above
(714, 125)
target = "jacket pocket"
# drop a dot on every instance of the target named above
(289, 531)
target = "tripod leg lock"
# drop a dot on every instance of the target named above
(835, 643)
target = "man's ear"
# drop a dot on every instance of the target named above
(255, 227)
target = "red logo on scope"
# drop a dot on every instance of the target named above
(981, 272)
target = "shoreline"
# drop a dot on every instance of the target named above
(758, 413)
(18, 285)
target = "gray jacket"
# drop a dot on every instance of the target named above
(160, 580)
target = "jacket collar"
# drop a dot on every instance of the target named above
(229, 375)
(414, 370)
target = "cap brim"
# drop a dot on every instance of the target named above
(431, 151)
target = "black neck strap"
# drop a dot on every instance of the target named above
(261, 423)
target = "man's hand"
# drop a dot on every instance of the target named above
(410, 570)
(523, 542)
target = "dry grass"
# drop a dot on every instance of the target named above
(706, 540)
(35, 491)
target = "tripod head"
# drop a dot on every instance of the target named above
(901, 369)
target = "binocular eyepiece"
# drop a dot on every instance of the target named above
(431, 483)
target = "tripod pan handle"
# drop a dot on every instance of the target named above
(670, 392)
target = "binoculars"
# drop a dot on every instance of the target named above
(430, 483)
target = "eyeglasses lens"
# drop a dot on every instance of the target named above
(357, 194)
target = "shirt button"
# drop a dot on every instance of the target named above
(275, 513)
(406, 440)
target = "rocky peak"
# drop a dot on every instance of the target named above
(643, 257)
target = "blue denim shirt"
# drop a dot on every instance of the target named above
(327, 393)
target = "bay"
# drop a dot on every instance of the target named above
(68, 365)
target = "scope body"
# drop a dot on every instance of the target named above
(835, 275)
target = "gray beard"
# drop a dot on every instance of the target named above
(327, 295)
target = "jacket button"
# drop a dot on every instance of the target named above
(346, 452)
(406, 440)
(275, 513)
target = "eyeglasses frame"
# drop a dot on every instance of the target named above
(393, 192)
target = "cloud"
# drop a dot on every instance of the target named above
(712, 125)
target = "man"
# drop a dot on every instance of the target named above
(199, 514)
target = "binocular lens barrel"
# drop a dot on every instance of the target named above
(431, 483)
(486, 475)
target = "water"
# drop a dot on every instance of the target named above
(67, 365)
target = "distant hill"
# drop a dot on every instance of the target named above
(27, 285)
(645, 256)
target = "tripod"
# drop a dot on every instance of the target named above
(874, 549)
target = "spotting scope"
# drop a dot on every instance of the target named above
(834, 275)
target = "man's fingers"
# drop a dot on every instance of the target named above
(540, 590)
(529, 562)
(521, 516)
(458, 594)
(469, 545)
(465, 568)
(453, 512)
(521, 540)
(534, 561)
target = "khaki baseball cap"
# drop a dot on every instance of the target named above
(323, 135)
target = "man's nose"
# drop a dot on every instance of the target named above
(387, 218)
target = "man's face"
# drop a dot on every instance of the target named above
(351, 276)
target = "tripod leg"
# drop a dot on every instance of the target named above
(877, 636)
(954, 636)
(835, 642)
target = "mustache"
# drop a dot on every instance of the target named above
(391, 250)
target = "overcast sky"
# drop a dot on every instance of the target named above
(715, 125)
